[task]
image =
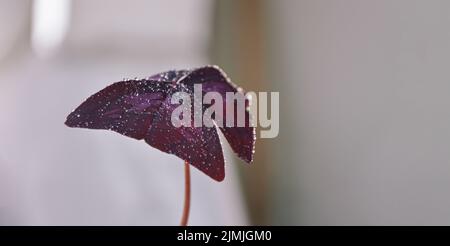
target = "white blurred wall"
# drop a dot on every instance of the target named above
(54, 175)
(365, 128)
(14, 25)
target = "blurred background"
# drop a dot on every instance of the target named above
(364, 111)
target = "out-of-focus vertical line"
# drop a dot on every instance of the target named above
(239, 47)
(50, 21)
(250, 54)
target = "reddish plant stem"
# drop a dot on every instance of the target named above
(187, 194)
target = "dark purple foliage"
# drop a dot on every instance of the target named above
(141, 109)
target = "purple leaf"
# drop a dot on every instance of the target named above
(241, 139)
(141, 109)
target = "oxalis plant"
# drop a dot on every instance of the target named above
(144, 109)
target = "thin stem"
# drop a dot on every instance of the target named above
(187, 194)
